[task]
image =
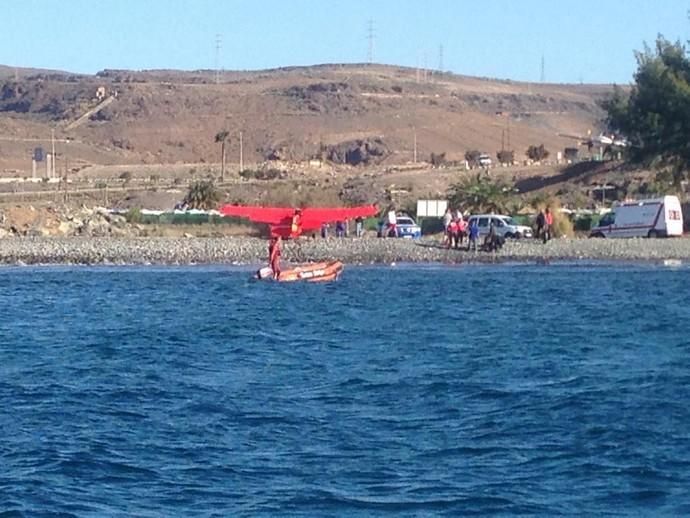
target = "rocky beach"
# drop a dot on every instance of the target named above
(368, 250)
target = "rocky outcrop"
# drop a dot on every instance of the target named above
(50, 222)
(358, 152)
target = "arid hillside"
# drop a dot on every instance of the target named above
(359, 114)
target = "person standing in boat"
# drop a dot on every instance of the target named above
(274, 251)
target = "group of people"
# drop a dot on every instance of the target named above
(456, 229)
(342, 228)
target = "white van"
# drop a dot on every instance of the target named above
(658, 217)
(504, 225)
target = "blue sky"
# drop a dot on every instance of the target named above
(581, 40)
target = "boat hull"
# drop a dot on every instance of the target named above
(315, 272)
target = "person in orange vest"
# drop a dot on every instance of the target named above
(274, 252)
(296, 225)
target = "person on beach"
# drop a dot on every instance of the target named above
(493, 241)
(548, 222)
(359, 226)
(274, 252)
(447, 218)
(296, 224)
(473, 235)
(392, 227)
(339, 229)
(452, 234)
(462, 230)
(540, 224)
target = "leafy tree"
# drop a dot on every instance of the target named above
(202, 195)
(472, 157)
(480, 194)
(221, 138)
(656, 114)
(437, 159)
(537, 153)
(505, 157)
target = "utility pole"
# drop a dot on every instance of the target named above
(440, 59)
(52, 139)
(370, 39)
(241, 154)
(218, 46)
(418, 72)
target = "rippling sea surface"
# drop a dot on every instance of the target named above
(409, 390)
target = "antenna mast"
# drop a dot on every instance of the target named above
(370, 40)
(218, 47)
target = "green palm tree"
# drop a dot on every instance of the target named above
(221, 138)
(202, 195)
(479, 194)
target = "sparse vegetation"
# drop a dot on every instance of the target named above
(261, 174)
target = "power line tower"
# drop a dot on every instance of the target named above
(440, 58)
(543, 74)
(370, 41)
(217, 65)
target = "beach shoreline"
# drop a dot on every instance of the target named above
(250, 250)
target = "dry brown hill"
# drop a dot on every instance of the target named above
(159, 117)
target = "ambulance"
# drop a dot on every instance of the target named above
(657, 217)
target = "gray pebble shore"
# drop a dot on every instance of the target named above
(248, 250)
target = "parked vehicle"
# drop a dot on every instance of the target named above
(657, 217)
(505, 226)
(405, 225)
(484, 160)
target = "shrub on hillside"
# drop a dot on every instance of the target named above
(133, 215)
(437, 159)
(261, 174)
(537, 153)
(505, 157)
(202, 195)
(472, 157)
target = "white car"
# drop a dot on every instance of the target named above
(505, 226)
(484, 160)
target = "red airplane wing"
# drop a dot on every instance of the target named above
(314, 217)
(270, 215)
(280, 218)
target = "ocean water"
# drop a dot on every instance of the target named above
(406, 391)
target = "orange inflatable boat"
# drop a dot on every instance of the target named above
(315, 272)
